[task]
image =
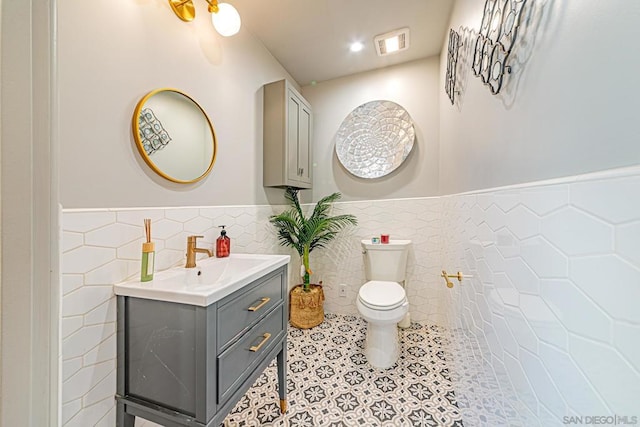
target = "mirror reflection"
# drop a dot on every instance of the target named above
(174, 135)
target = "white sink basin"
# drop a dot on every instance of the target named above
(210, 281)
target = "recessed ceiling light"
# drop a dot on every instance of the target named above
(356, 47)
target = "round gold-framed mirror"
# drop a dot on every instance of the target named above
(174, 135)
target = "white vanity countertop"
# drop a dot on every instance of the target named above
(211, 280)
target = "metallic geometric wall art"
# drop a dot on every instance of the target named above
(374, 139)
(152, 134)
(452, 63)
(495, 40)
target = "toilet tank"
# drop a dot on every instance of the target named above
(386, 261)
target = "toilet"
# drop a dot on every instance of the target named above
(382, 300)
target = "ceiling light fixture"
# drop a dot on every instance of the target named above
(356, 47)
(391, 42)
(224, 16)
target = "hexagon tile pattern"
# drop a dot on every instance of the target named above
(547, 327)
(101, 248)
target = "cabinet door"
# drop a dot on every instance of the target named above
(293, 131)
(304, 144)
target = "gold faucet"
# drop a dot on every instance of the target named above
(192, 250)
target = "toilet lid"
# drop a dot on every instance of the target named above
(380, 294)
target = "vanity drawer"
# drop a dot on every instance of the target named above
(236, 363)
(240, 313)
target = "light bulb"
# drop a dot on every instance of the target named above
(227, 20)
(356, 47)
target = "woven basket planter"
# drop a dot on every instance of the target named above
(306, 309)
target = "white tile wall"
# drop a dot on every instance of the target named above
(547, 326)
(102, 247)
(414, 219)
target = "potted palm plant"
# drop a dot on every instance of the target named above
(305, 234)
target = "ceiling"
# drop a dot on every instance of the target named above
(311, 38)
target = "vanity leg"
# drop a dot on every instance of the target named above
(122, 418)
(282, 378)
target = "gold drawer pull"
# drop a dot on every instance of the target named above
(259, 306)
(266, 336)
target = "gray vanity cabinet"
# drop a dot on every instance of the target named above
(187, 365)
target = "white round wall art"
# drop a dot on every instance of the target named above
(374, 139)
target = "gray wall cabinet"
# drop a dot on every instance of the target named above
(287, 129)
(186, 365)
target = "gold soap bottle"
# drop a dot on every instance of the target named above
(148, 254)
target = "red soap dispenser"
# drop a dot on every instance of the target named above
(223, 244)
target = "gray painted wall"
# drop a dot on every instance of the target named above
(110, 57)
(570, 107)
(414, 86)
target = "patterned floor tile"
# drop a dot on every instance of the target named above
(331, 384)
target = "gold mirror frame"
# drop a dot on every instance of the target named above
(141, 146)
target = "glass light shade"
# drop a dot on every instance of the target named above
(227, 20)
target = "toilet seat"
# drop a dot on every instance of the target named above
(382, 295)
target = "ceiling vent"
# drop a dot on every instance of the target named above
(392, 42)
